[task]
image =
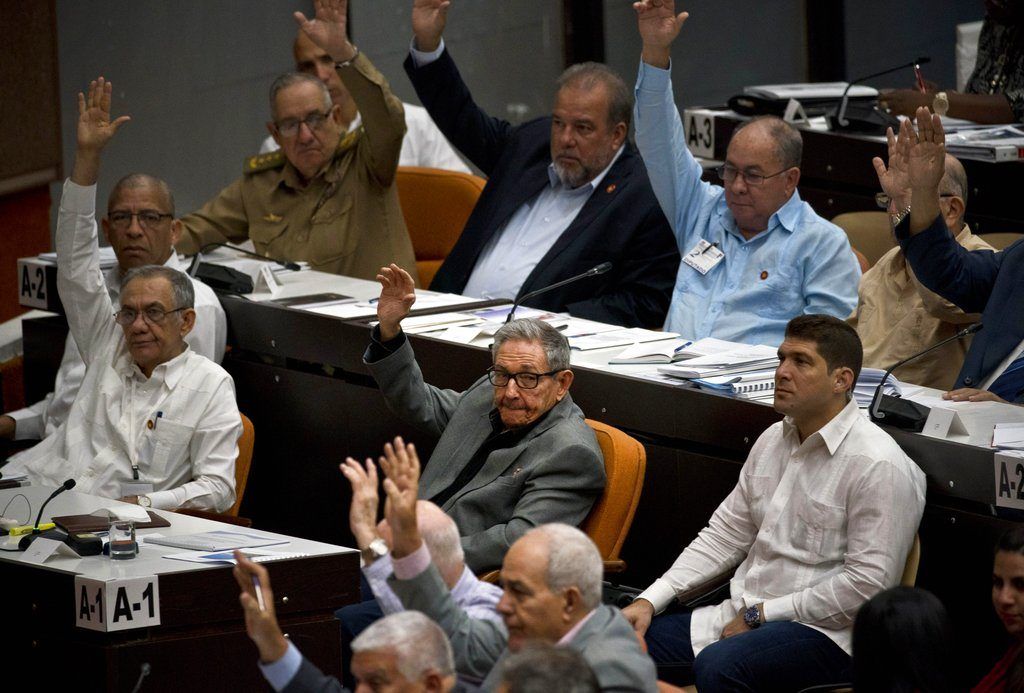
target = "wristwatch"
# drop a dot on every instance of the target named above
(752, 616)
(940, 105)
(899, 216)
(377, 548)
(145, 501)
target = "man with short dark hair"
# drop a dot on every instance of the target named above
(551, 577)
(823, 516)
(754, 253)
(423, 144)
(325, 199)
(564, 193)
(514, 450)
(154, 423)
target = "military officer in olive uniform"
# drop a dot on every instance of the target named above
(322, 198)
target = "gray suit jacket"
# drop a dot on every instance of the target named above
(554, 474)
(606, 640)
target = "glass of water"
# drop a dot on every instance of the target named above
(122, 540)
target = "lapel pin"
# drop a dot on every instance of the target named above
(516, 472)
(610, 188)
(273, 218)
(764, 274)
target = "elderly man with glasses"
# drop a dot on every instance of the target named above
(754, 254)
(514, 450)
(154, 422)
(323, 198)
(896, 315)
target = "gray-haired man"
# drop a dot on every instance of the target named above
(513, 454)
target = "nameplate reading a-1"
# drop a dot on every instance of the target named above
(117, 604)
(1009, 478)
(32, 283)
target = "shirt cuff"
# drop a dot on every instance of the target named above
(164, 500)
(380, 350)
(779, 609)
(28, 424)
(78, 198)
(280, 673)
(421, 58)
(380, 569)
(651, 78)
(660, 594)
(408, 567)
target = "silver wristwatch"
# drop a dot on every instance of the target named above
(377, 548)
(145, 501)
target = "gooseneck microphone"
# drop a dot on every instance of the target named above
(27, 539)
(901, 413)
(869, 119)
(592, 272)
(194, 267)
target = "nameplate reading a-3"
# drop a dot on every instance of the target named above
(117, 604)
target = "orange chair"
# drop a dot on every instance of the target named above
(435, 205)
(242, 465)
(625, 463)
(869, 232)
(861, 260)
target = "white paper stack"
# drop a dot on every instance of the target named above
(752, 385)
(868, 382)
(1008, 436)
(746, 359)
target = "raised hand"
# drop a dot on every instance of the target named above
(402, 467)
(926, 152)
(95, 130)
(659, 25)
(362, 514)
(260, 623)
(397, 294)
(895, 179)
(428, 21)
(329, 28)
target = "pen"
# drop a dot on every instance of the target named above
(713, 245)
(920, 79)
(681, 347)
(156, 419)
(259, 593)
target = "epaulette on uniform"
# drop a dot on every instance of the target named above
(264, 162)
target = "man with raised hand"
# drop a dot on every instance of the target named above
(514, 450)
(976, 281)
(754, 253)
(324, 199)
(153, 423)
(551, 577)
(565, 193)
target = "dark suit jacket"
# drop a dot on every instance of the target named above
(978, 281)
(621, 223)
(606, 640)
(554, 474)
(309, 679)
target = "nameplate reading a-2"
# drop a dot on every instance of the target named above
(1009, 479)
(32, 283)
(118, 604)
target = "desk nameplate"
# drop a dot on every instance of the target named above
(118, 604)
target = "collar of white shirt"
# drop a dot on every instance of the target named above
(831, 434)
(171, 372)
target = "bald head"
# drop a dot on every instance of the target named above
(441, 535)
(142, 181)
(953, 188)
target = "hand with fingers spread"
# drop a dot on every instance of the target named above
(260, 623)
(329, 28)
(95, 130)
(659, 25)
(362, 514)
(397, 294)
(402, 467)
(926, 164)
(895, 178)
(428, 21)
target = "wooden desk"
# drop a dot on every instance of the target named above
(200, 644)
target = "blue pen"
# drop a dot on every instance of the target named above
(681, 347)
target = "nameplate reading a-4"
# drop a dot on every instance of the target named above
(117, 604)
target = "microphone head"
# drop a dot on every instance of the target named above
(69, 484)
(602, 268)
(976, 327)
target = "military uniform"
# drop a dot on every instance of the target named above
(347, 220)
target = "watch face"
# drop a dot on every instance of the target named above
(145, 502)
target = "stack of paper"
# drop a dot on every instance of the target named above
(1008, 436)
(752, 385)
(665, 351)
(868, 382)
(617, 338)
(1002, 143)
(746, 359)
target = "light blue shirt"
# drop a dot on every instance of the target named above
(800, 264)
(280, 673)
(514, 250)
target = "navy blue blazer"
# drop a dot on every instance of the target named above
(621, 223)
(978, 281)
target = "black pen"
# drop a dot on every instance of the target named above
(706, 249)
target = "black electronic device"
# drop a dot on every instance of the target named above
(592, 272)
(901, 413)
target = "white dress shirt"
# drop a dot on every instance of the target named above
(423, 144)
(207, 338)
(180, 426)
(816, 528)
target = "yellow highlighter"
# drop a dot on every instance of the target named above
(27, 529)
